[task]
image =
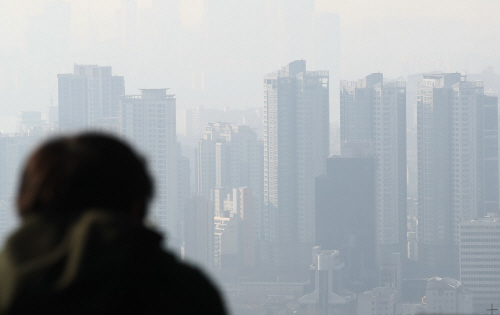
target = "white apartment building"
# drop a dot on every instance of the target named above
(296, 145)
(375, 111)
(480, 261)
(148, 122)
(87, 96)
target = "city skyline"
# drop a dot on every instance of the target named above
(310, 156)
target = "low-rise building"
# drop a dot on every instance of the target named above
(447, 296)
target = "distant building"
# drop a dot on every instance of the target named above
(192, 122)
(30, 120)
(447, 296)
(296, 145)
(480, 261)
(198, 244)
(87, 96)
(457, 164)
(14, 150)
(328, 294)
(205, 159)
(235, 242)
(378, 301)
(229, 157)
(346, 214)
(148, 121)
(226, 243)
(183, 189)
(374, 111)
(391, 272)
(408, 309)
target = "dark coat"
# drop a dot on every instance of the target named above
(97, 263)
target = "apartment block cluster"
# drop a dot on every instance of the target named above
(254, 192)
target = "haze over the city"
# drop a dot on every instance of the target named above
(218, 49)
(310, 156)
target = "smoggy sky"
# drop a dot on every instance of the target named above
(397, 37)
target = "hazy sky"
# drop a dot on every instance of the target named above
(378, 27)
(397, 37)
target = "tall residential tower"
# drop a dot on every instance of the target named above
(457, 163)
(148, 121)
(374, 111)
(296, 145)
(88, 97)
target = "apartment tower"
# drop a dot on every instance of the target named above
(457, 164)
(296, 145)
(373, 111)
(148, 121)
(88, 97)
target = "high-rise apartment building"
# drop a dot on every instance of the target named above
(238, 159)
(88, 96)
(192, 122)
(296, 145)
(205, 159)
(229, 156)
(374, 111)
(148, 121)
(479, 243)
(457, 164)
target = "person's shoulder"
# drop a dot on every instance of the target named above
(190, 285)
(188, 274)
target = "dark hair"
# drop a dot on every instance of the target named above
(89, 170)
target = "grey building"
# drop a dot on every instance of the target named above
(229, 156)
(88, 96)
(148, 121)
(345, 216)
(296, 145)
(457, 164)
(479, 257)
(374, 111)
(198, 244)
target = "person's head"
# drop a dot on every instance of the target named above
(88, 170)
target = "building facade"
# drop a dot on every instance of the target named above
(88, 96)
(480, 261)
(296, 145)
(198, 246)
(447, 296)
(372, 110)
(457, 164)
(345, 216)
(148, 121)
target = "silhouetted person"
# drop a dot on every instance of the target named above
(82, 247)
